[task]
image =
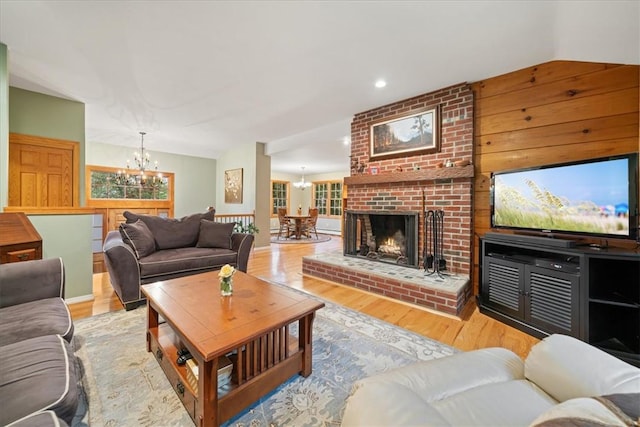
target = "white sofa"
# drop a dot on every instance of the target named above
(494, 387)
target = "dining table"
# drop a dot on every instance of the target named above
(299, 220)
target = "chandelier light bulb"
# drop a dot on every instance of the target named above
(142, 160)
(302, 184)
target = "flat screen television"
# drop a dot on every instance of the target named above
(596, 197)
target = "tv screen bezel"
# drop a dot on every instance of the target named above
(633, 199)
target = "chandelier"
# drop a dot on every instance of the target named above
(142, 161)
(302, 184)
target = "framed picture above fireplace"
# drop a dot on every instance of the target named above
(418, 133)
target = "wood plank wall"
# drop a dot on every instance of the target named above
(554, 112)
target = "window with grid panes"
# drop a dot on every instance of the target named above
(110, 183)
(327, 197)
(335, 201)
(279, 196)
(320, 195)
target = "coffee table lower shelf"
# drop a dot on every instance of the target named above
(257, 377)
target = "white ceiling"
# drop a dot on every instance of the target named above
(202, 76)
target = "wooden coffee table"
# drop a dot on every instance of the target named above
(251, 327)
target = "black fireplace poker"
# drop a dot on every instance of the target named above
(434, 262)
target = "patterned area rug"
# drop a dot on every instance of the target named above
(125, 385)
(283, 240)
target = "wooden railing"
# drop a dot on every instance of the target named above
(243, 219)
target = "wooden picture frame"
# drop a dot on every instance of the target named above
(233, 186)
(418, 133)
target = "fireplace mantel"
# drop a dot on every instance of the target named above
(412, 175)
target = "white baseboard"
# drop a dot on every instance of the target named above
(81, 298)
(330, 232)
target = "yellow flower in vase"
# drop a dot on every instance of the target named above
(226, 280)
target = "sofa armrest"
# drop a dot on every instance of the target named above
(28, 281)
(567, 368)
(123, 268)
(241, 243)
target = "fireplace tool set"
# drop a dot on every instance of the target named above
(434, 262)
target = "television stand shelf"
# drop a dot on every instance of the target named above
(590, 293)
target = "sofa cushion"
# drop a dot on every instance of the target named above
(178, 261)
(172, 233)
(215, 234)
(553, 366)
(628, 403)
(48, 316)
(139, 237)
(478, 387)
(35, 375)
(583, 411)
(41, 419)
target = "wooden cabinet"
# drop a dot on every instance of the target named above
(19, 240)
(590, 293)
(543, 298)
(43, 172)
(612, 311)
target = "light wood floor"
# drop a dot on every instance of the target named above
(282, 263)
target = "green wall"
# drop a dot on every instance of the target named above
(4, 126)
(32, 113)
(65, 236)
(69, 237)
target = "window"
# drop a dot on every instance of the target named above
(105, 183)
(279, 196)
(327, 197)
(112, 185)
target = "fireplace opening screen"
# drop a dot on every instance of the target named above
(387, 236)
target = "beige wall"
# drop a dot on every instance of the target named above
(303, 198)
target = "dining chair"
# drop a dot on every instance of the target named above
(285, 224)
(310, 223)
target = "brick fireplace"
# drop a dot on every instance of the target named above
(414, 184)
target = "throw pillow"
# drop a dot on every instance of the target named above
(139, 237)
(171, 233)
(215, 234)
(614, 410)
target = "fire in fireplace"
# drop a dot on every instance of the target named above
(386, 236)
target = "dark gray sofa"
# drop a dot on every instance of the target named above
(38, 380)
(149, 248)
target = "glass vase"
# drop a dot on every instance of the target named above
(226, 286)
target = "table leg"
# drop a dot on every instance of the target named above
(305, 327)
(207, 404)
(298, 228)
(152, 323)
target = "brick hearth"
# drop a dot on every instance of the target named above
(448, 294)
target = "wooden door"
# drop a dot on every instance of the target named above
(42, 172)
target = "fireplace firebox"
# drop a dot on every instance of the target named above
(385, 236)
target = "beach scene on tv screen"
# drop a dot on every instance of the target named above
(586, 198)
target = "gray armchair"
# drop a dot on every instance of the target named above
(31, 301)
(37, 366)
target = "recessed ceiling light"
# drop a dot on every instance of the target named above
(346, 140)
(380, 83)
